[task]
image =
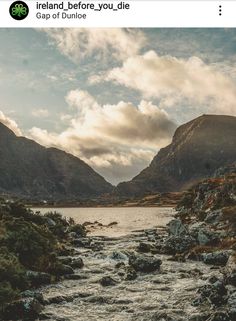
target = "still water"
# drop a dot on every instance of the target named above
(128, 219)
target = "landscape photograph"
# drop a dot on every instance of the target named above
(118, 174)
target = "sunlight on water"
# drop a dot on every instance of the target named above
(128, 219)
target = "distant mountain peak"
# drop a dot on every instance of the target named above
(29, 170)
(198, 148)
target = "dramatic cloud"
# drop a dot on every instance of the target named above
(80, 43)
(10, 123)
(112, 137)
(168, 77)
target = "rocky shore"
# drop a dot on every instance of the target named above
(186, 271)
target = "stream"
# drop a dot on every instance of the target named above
(159, 295)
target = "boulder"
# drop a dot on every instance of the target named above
(130, 274)
(65, 259)
(25, 308)
(216, 258)
(33, 294)
(62, 269)
(213, 217)
(215, 293)
(120, 265)
(107, 281)
(177, 228)
(177, 244)
(77, 263)
(195, 228)
(144, 247)
(207, 237)
(144, 263)
(38, 278)
(119, 256)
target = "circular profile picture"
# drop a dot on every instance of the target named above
(19, 10)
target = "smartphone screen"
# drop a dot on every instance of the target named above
(117, 160)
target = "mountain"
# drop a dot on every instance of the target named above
(198, 149)
(30, 170)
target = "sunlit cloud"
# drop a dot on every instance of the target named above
(10, 123)
(110, 136)
(172, 79)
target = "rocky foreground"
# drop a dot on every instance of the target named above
(186, 271)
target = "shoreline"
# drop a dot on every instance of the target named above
(102, 206)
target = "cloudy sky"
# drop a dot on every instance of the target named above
(113, 97)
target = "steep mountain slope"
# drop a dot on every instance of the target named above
(28, 169)
(198, 148)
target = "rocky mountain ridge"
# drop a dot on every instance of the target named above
(29, 170)
(198, 149)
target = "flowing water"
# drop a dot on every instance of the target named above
(162, 295)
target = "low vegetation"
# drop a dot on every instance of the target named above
(28, 242)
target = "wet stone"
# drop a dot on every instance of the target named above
(216, 258)
(107, 281)
(144, 263)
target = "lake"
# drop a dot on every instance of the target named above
(128, 219)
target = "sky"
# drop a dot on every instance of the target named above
(113, 97)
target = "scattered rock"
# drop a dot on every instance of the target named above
(119, 256)
(77, 263)
(177, 244)
(177, 228)
(65, 260)
(62, 269)
(216, 258)
(207, 237)
(33, 294)
(144, 263)
(144, 247)
(120, 265)
(107, 281)
(130, 274)
(112, 224)
(38, 278)
(213, 217)
(25, 308)
(215, 293)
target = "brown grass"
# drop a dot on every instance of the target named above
(229, 215)
(227, 243)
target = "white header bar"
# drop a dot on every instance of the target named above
(115, 13)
